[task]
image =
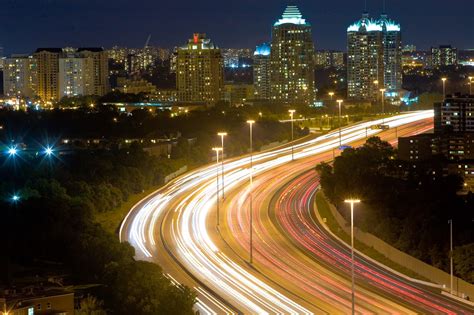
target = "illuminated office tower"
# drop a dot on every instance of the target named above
(19, 76)
(292, 59)
(261, 72)
(47, 61)
(200, 71)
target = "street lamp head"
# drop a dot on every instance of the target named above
(383, 90)
(443, 79)
(340, 101)
(376, 82)
(352, 201)
(222, 134)
(250, 121)
(291, 111)
(331, 93)
(217, 149)
(15, 198)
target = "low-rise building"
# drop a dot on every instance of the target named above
(36, 300)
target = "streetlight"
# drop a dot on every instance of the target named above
(15, 198)
(48, 151)
(470, 85)
(12, 151)
(376, 83)
(222, 135)
(383, 104)
(292, 112)
(251, 122)
(331, 94)
(340, 136)
(444, 87)
(451, 254)
(217, 150)
(352, 202)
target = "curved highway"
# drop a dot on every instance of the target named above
(176, 227)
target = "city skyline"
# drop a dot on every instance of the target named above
(74, 24)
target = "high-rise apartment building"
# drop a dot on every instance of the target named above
(292, 59)
(444, 55)
(261, 72)
(20, 76)
(199, 71)
(96, 65)
(47, 65)
(374, 58)
(392, 54)
(72, 75)
(71, 72)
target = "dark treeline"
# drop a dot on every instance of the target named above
(53, 222)
(404, 204)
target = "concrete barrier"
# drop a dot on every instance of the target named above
(272, 145)
(175, 174)
(435, 275)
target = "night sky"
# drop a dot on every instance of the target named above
(28, 24)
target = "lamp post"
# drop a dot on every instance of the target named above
(382, 91)
(292, 112)
(251, 122)
(352, 202)
(340, 135)
(444, 87)
(217, 150)
(376, 83)
(451, 264)
(222, 135)
(470, 85)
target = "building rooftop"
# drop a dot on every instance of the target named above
(53, 50)
(291, 15)
(371, 25)
(262, 50)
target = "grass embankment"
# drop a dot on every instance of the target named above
(111, 220)
(323, 207)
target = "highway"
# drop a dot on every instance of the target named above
(176, 227)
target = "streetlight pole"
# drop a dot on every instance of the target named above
(217, 150)
(222, 135)
(451, 255)
(376, 83)
(444, 87)
(251, 122)
(352, 202)
(340, 135)
(383, 105)
(292, 112)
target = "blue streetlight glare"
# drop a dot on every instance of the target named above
(12, 151)
(48, 151)
(15, 198)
